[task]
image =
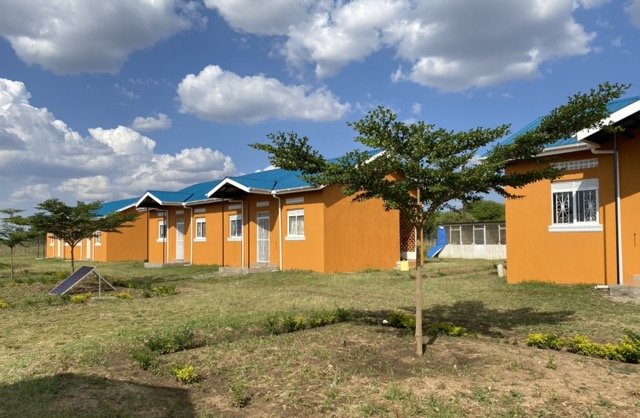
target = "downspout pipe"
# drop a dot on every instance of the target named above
(275, 196)
(616, 177)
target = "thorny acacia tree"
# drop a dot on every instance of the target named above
(13, 231)
(421, 168)
(72, 224)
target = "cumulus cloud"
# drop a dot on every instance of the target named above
(633, 10)
(151, 123)
(223, 96)
(47, 158)
(272, 17)
(449, 45)
(74, 36)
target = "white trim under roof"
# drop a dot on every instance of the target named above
(147, 194)
(564, 149)
(133, 205)
(616, 116)
(225, 182)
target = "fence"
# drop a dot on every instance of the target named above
(34, 248)
(476, 240)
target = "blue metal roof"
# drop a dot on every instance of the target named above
(169, 197)
(115, 205)
(273, 180)
(612, 107)
(199, 191)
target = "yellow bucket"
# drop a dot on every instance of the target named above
(404, 265)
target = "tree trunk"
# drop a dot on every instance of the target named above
(12, 263)
(73, 268)
(419, 349)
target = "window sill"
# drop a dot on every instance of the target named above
(236, 239)
(97, 244)
(294, 238)
(199, 240)
(161, 240)
(576, 228)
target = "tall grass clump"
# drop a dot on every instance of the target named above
(171, 340)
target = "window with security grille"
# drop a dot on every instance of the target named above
(575, 205)
(201, 229)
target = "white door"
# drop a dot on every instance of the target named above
(263, 237)
(179, 239)
(88, 244)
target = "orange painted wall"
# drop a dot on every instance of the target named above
(630, 206)
(128, 245)
(535, 254)
(156, 247)
(306, 254)
(360, 235)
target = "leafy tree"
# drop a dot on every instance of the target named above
(485, 210)
(421, 167)
(13, 232)
(72, 224)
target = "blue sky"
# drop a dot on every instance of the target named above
(104, 100)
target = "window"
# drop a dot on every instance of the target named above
(98, 237)
(235, 227)
(201, 229)
(295, 224)
(574, 206)
(162, 231)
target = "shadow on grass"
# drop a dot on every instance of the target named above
(73, 395)
(475, 317)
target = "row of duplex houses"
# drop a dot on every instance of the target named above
(272, 218)
(583, 227)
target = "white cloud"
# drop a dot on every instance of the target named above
(223, 96)
(449, 45)
(416, 108)
(151, 123)
(126, 92)
(51, 159)
(265, 17)
(633, 10)
(74, 36)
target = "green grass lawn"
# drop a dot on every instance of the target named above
(59, 358)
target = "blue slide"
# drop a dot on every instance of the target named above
(441, 242)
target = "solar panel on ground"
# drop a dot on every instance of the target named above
(71, 281)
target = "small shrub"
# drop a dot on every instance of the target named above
(285, 322)
(185, 374)
(80, 298)
(163, 290)
(447, 328)
(124, 295)
(3, 304)
(145, 358)
(629, 348)
(545, 341)
(171, 340)
(240, 395)
(401, 319)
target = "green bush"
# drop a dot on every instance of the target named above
(145, 358)
(171, 340)
(124, 295)
(239, 394)
(80, 298)
(3, 304)
(401, 319)
(185, 374)
(285, 322)
(163, 290)
(447, 328)
(545, 341)
(628, 350)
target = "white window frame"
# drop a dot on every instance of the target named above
(574, 187)
(98, 239)
(200, 236)
(295, 235)
(162, 231)
(237, 219)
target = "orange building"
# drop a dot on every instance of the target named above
(270, 219)
(583, 227)
(128, 245)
